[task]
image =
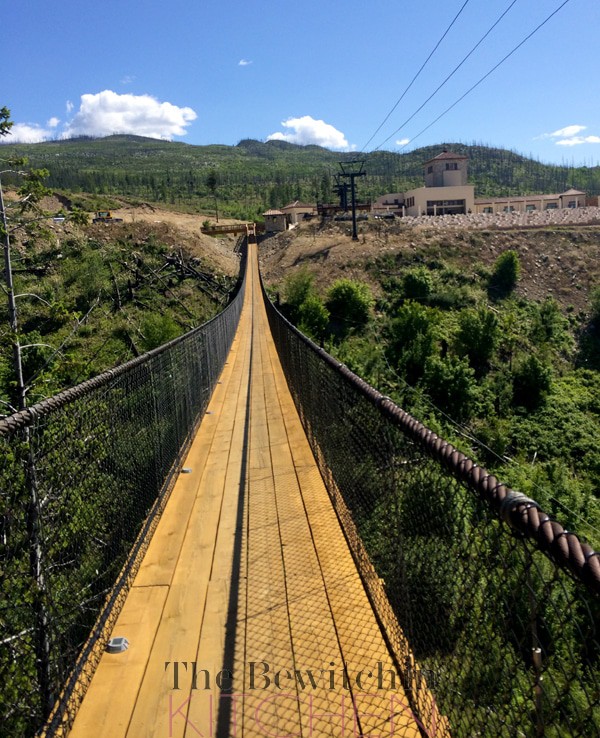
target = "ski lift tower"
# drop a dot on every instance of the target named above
(351, 169)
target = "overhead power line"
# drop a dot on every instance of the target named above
(452, 73)
(414, 79)
(485, 76)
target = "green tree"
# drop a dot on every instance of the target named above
(477, 336)
(212, 182)
(350, 302)
(296, 289)
(30, 193)
(505, 273)
(595, 306)
(450, 383)
(5, 122)
(417, 284)
(412, 335)
(314, 317)
(531, 383)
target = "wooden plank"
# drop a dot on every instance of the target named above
(106, 711)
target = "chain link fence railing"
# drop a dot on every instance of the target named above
(490, 606)
(83, 479)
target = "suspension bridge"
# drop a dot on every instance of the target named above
(234, 535)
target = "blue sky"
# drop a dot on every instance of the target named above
(325, 72)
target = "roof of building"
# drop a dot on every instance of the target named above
(298, 204)
(273, 212)
(446, 155)
(524, 198)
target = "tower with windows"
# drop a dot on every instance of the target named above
(446, 170)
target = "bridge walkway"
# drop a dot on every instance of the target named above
(248, 575)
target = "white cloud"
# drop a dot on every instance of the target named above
(53, 122)
(27, 133)
(107, 112)
(70, 107)
(307, 130)
(569, 136)
(566, 132)
(128, 79)
(578, 140)
(403, 142)
(244, 63)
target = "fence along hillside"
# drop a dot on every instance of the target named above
(483, 599)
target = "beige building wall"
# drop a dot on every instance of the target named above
(440, 200)
(390, 203)
(295, 212)
(446, 170)
(569, 199)
(275, 221)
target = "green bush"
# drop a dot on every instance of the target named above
(595, 305)
(158, 329)
(505, 273)
(549, 326)
(477, 336)
(313, 317)
(450, 384)
(350, 302)
(417, 284)
(531, 383)
(296, 290)
(412, 339)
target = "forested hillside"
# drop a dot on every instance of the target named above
(252, 176)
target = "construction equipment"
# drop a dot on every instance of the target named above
(105, 216)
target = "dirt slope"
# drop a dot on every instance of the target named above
(560, 261)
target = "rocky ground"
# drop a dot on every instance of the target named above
(558, 260)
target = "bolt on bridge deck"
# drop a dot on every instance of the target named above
(247, 615)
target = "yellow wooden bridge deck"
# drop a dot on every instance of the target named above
(247, 616)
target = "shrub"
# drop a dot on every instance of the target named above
(477, 336)
(531, 383)
(313, 317)
(549, 326)
(417, 284)
(450, 383)
(412, 339)
(158, 329)
(505, 273)
(297, 288)
(595, 304)
(350, 302)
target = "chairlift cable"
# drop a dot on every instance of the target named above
(414, 79)
(485, 76)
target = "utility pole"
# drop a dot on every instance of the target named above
(12, 310)
(351, 170)
(41, 628)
